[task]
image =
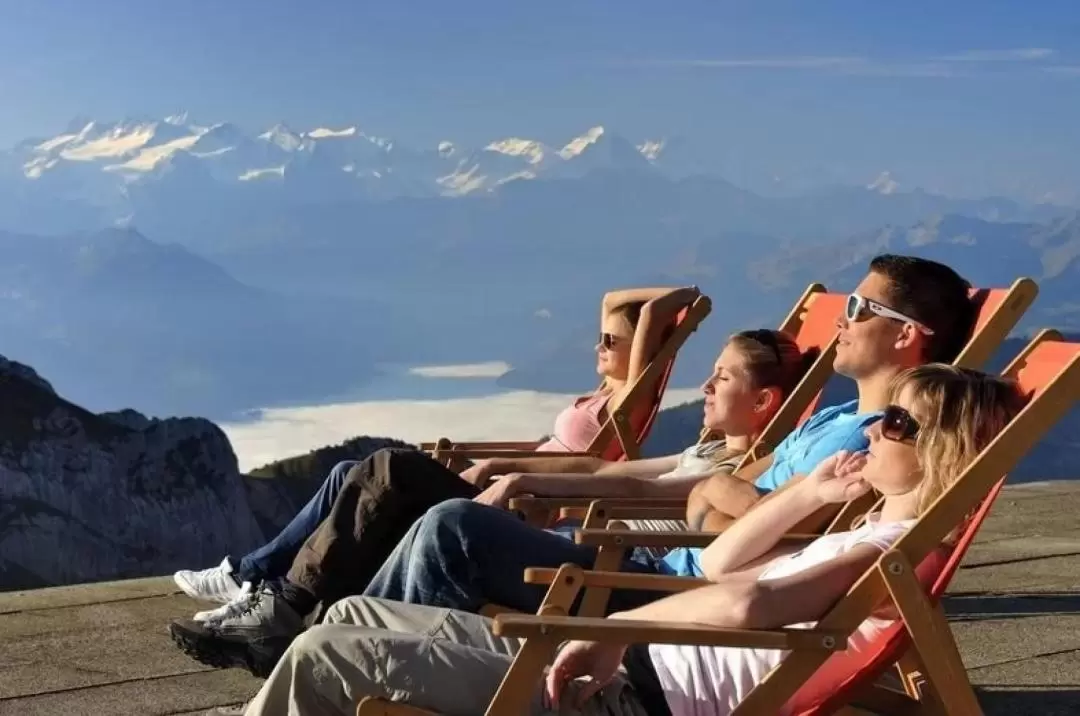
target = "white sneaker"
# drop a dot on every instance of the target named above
(213, 585)
(237, 605)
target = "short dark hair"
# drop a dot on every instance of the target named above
(933, 294)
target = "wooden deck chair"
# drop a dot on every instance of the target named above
(908, 581)
(812, 323)
(626, 428)
(999, 310)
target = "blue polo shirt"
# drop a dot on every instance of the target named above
(825, 433)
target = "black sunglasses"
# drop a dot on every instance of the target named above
(608, 340)
(766, 338)
(898, 425)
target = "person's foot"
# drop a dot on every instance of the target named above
(237, 605)
(254, 638)
(216, 584)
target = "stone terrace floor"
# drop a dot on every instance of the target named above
(102, 649)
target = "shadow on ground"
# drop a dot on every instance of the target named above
(977, 607)
(1043, 700)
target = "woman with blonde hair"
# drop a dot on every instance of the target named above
(937, 421)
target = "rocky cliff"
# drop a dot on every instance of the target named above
(87, 497)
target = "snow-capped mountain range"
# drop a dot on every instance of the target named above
(104, 158)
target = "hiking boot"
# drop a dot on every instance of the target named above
(216, 584)
(253, 638)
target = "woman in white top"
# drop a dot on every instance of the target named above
(938, 420)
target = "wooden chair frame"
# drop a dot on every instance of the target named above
(927, 645)
(999, 311)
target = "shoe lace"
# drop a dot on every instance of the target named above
(251, 602)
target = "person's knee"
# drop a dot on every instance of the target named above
(311, 645)
(447, 521)
(402, 462)
(337, 612)
(454, 513)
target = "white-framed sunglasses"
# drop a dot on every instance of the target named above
(857, 305)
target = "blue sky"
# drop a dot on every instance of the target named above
(961, 97)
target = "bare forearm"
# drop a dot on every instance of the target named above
(552, 464)
(729, 604)
(616, 299)
(714, 503)
(757, 531)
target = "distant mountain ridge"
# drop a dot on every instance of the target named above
(754, 280)
(117, 319)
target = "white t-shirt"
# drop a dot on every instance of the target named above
(695, 461)
(711, 681)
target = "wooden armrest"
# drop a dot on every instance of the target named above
(651, 538)
(530, 502)
(640, 512)
(610, 503)
(621, 580)
(625, 631)
(628, 508)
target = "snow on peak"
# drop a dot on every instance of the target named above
(179, 119)
(265, 173)
(580, 144)
(326, 133)
(138, 149)
(283, 137)
(884, 184)
(531, 150)
(651, 149)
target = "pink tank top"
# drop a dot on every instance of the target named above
(577, 426)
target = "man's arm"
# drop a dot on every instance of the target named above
(713, 503)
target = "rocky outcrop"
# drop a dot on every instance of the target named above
(88, 497)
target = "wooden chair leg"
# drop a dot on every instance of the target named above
(946, 678)
(521, 681)
(594, 602)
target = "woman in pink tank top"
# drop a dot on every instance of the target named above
(631, 332)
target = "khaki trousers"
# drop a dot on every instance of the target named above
(446, 661)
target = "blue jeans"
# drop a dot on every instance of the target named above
(273, 559)
(463, 555)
